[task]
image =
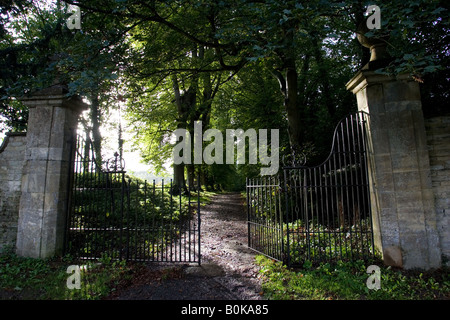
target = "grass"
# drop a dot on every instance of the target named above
(348, 281)
(313, 243)
(37, 279)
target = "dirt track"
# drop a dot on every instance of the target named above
(227, 271)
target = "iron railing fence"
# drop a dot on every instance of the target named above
(265, 215)
(132, 219)
(320, 213)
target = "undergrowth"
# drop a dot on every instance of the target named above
(47, 279)
(348, 281)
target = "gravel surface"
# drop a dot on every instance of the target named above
(227, 271)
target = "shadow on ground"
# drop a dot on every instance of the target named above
(227, 271)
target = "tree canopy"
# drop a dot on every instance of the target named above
(230, 64)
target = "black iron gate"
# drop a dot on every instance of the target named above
(122, 218)
(319, 213)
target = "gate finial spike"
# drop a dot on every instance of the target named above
(116, 164)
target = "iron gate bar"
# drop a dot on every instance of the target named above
(326, 208)
(131, 219)
(264, 232)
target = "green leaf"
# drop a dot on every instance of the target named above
(430, 69)
(439, 10)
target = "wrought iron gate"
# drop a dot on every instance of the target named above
(319, 213)
(110, 214)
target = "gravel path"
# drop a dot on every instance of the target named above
(227, 272)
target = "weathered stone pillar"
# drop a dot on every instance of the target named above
(42, 214)
(401, 190)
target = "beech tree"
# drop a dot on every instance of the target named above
(179, 59)
(38, 50)
(290, 34)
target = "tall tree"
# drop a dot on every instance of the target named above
(179, 75)
(38, 50)
(285, 31)
(176, 54)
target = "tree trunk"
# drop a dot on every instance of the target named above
(179, 182)
(185, 106)
(324, 76)
(200, 109)
(289, 89)
(87, 149)
(191, 177)
(96, 136)
(292, 108)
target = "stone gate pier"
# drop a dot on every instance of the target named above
(407, 227)
(53, 119)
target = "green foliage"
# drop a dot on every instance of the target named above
(123, 209)
(38, 50)
(15, 117)
(98, 279)
(38, 279)
(318, 243)
(228, 54)
(415, 35)
(347, 281)
(17, 273)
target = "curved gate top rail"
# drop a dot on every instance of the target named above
(110, 214)
(320, 213)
